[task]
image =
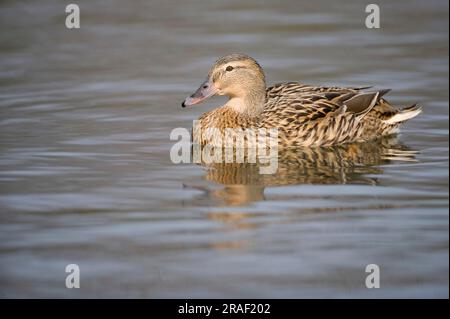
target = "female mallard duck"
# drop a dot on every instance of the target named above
(304, 115)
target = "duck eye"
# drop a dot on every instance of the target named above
(229, 68)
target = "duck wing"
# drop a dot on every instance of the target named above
(304, 103)
(311, 116)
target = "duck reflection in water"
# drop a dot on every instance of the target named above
(345, 164)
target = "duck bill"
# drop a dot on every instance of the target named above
(205, 91)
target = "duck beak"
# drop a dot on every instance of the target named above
(206, 90)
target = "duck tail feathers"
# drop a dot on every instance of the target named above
(404, 114)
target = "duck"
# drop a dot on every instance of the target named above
(303, 115)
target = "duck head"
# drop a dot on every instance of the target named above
(237, 76)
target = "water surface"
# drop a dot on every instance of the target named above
(86, 178)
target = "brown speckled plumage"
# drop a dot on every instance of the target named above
(304, 115)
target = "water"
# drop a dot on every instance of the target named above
(86, 178)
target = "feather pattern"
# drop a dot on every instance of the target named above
(317, 116)
(305, 115)
(324, 116)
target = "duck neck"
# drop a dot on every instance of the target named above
(250, 104)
